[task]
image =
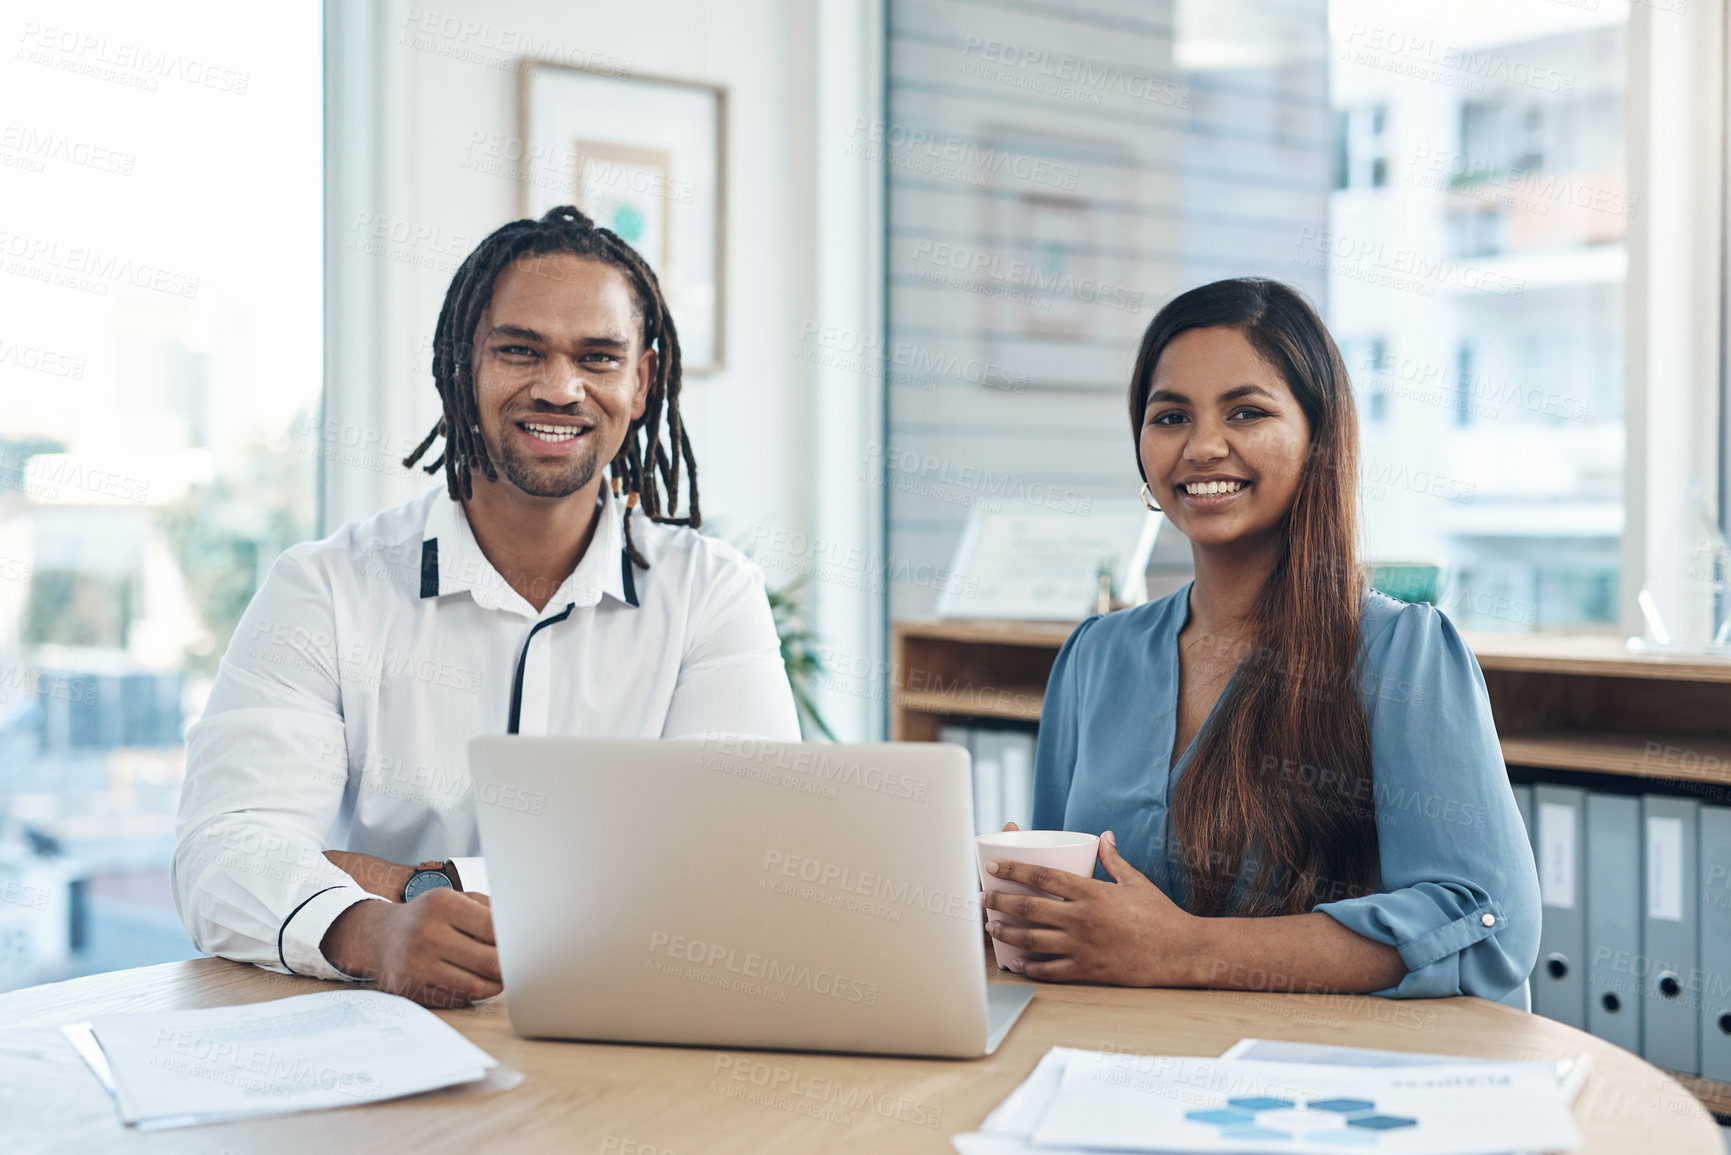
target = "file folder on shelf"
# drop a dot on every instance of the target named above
(988, 781)
(1017, 753)
(1003, 762)
(1671, 986)
(1613, 957)
(1714, 902)
(1559, 986)
(1521, 997)
(964, 737)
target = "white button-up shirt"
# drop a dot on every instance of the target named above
(342, 712)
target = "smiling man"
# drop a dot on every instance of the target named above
(327, 822)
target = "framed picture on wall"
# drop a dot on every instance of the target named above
(645, 157)
(1057, 220)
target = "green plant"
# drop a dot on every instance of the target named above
(799, 653)
(225, 533)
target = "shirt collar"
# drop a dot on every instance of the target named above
(452, 561)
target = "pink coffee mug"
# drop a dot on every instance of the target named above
(1059, 849)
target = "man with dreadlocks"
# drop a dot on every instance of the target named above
(549, 586)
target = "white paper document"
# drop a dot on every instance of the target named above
(1570, 1074)
(305, 1053)
(1320, 1098)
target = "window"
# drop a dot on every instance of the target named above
(1362, 152)
(1464, 385)
(1367, 363)
(160, 360)
(1498, 252)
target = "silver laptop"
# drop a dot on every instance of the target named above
(738, 892)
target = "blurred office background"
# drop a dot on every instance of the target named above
(227, 232)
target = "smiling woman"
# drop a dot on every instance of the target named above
(1235, 385)
(1244, 743)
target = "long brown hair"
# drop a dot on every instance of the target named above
(1280, 783)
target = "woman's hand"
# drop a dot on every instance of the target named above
(1125, 932)
(986, 915)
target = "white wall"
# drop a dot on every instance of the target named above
(444, 83)
(443, 78)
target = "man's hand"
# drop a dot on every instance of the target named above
(437, 950)
(375, 875)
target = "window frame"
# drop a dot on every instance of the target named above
(1674, 412)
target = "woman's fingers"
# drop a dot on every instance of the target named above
(1114, 863)
(1032, 908)
(1038, 939)
(1049, 879)
(1056, 970)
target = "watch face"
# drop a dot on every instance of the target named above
(422, 881)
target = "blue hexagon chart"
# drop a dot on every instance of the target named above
(1360, 1122)
(1381, 1122)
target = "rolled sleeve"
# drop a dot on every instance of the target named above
(1460, 896)
(300, 939)
(1434, 927)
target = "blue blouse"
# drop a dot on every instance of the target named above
(1460, 897)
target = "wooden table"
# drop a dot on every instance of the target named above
(581, 1097)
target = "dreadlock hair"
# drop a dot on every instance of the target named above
(642, 466)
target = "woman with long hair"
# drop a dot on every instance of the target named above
(1298, 780)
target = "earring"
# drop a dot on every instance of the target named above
(1148, 498)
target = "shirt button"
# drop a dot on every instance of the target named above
(1488, 919)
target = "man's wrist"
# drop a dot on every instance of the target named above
(348, 944)
(385, 879)
(372, 874)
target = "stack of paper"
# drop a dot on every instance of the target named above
(1283, 1097)
(335, 1049)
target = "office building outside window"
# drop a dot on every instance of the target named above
(1493, 260)
(160, 370)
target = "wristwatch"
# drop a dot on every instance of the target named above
(431, 876)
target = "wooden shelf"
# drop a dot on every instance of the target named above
(1008, 632)
(1592, 656)
(1681, 757)
(1021, 704)
(1583, 703)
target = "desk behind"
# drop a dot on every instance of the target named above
(580, 1097)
